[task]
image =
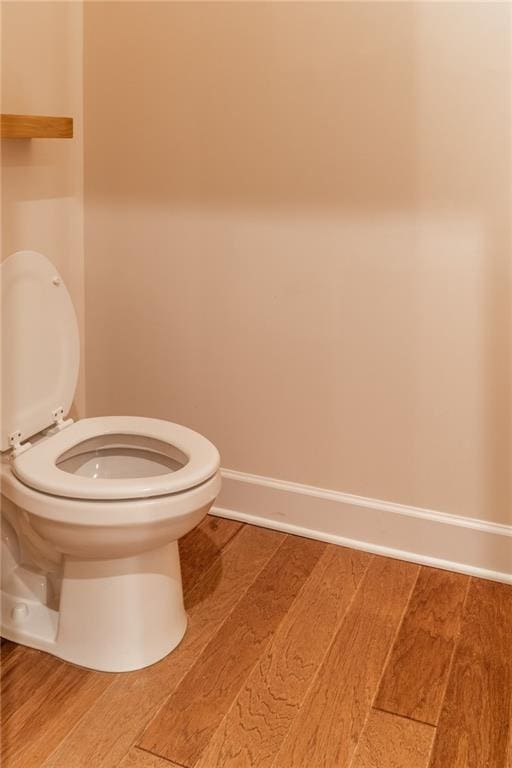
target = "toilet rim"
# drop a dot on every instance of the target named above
(37, 467)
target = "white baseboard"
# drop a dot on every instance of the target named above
(422, 536)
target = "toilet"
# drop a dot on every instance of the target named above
(92, 510)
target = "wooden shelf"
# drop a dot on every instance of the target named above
(35, 127)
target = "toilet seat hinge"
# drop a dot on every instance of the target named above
(59, 423)
(16, 444)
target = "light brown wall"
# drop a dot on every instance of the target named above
(42, 180)
(298, 238)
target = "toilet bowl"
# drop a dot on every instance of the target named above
(92, 510)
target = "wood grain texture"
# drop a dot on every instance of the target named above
(202, 546)
(331, 720)
(390, 741)
(138, 758)
(260, 717)
(508, 760)
(35, 127)
(189, 718)
(474, 727)
(416, 674)
(6, 648)
(35, 729)
(296, 685)
(108, 730)
(23, 672)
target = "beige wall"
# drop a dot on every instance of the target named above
(42, 180)
(298, 238)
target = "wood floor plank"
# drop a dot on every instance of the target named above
(261, 715)
(508, 761)
(191, 715)
(24, 671)
(35, 729)
(6, 648)
(200, 547)
(474, 727)
(390, 741)
(416, 674)
(108, 730)
(326, 731)
(138, 758)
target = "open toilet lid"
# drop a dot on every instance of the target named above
(40, 345)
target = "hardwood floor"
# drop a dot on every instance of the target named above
(474, 727)
(391, 741)
(331, 720)
(416, 675)
(298, 653)
(262, 713)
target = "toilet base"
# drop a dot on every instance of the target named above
(114, 615)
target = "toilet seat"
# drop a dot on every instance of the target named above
(40, 349)
(37, 466)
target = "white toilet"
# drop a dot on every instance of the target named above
(91, 510)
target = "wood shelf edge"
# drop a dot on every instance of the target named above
(35, 127)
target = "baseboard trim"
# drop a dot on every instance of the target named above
(436, 539)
